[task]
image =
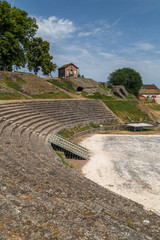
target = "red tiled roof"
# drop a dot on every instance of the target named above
(150, 86)
(66, 65)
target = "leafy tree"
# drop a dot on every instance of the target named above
(81, 76)
(16, 31)
(39, 57)
(127, 77)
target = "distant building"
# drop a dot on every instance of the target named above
(149, 90)
(149, 86)
(68, 70)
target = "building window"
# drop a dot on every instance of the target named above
(71, 72)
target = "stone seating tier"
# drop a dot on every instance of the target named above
(42, 198)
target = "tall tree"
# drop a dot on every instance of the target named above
(16, 31)
(127, 77)
(39, 57)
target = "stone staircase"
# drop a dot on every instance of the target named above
(69, 146)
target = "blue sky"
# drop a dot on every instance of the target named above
(100, 36)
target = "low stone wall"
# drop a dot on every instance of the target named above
(91, 91)
(100, 129)
(120, 91)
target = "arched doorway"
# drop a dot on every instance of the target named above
(79, 89)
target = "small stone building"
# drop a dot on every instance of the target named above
(68, 70)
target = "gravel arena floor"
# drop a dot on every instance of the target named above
(126, 164)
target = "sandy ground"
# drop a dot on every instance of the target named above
(158, 100)
(126, 164)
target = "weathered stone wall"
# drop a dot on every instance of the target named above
(68, 70)
(120, 91)
(61, 72)
(104, 84)
(91, 91)
(87, 85)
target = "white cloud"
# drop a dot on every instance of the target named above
(107, 55)
(84, 34)
(98, 27)
(53, 29)
(143, 46)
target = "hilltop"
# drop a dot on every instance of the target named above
(23, 86)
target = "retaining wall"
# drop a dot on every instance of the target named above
(100, 129)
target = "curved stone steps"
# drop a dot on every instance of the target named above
(13, 114)
(38, 145)
(38, 126)
(7, 132)
(23, 136)
(21, 150)
(10, 106)
(98, 109)
(24, 117)
(8, 127)
(69, 108)
(21, 145)
(3, 124)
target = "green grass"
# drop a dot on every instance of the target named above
(12, 84)
(147, 100)
(63, 161)
(127, 108)
(62, 84)
(105, 88)
(93, 125)
(130, 96)
(97, 95)
(20, 80)
(129, 224)
(7, 75)
(151, 104)
(1, 87)
(154, 106)
(67, 133)
(51, 95)
(11, 96)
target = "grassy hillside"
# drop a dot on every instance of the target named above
(153, 107)
(124, 107)
(62, 84)
(24, 86)
(27, 86)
